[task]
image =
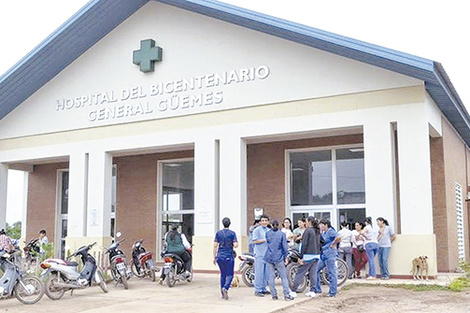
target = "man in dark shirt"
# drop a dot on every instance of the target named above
(309, 255)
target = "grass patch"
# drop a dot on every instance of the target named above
(423, 287)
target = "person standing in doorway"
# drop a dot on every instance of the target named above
(385, 239)
(276, 253)
(370, 235)
(260, 247)
(301, 223)
(345, 246)
(359, 251)
(224, 242)
(309, 256)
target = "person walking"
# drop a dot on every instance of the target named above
(224, 242)
(328, 256)
(260, 247)
(309, 256)
(359, 251)
(276, 253)
(345, 246)
(370, 235)
(385, 239)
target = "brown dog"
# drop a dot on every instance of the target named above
(420, 264)
(235, 281)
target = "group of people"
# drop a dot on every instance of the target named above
(319, 245)
(7, 246)
(362, 244)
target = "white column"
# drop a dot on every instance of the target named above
(379, 170)
(99, 194)
(206, 197)
(78, 172)
(233, 182)
(24, 224)
(414, 162)
(3, 194)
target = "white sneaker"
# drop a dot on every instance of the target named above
(293, 294)
(311, 294)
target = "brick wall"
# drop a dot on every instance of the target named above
(266, 172)
(136, 207)
(42, 198)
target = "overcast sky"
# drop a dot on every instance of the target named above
(436, 30)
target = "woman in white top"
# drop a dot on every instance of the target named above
(386, 237)
(287, 229)
(359, 251)
(345, 246)
(370, 235)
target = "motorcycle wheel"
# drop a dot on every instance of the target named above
(171, 277)
(135, 272)
(124, 279)
(152, 275)
(291, 270)
(53, 292)
(342, 269)
(33, 292)
(248, 276)
(101, 281)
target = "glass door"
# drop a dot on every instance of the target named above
(62, 216)
(176, 197)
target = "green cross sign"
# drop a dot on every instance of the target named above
(147, 55)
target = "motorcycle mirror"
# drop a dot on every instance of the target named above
(118, 234)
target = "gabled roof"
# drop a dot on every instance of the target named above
(99, 17)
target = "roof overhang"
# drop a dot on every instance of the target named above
(99, 17)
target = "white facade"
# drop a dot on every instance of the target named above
(256, 88)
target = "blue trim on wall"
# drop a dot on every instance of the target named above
(99, 17)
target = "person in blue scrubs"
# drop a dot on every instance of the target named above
(328, 256)
(224, 242)
(260, 247)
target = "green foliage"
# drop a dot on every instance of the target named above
(460, 284)
(14, 231)
(412, 287)
(48, 249)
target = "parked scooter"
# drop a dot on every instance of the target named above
(27, 289)
(118, 264)
(142, 261)
(173, 269)
(64, 276)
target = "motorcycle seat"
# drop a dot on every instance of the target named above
(71, 263)
(174, 256)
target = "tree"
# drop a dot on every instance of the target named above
(14, 231)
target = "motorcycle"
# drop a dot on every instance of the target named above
(246, 266)
(118, 264)
(142, 261)
(173, 270)
(27, 289)
(63, 275)
(342, 269)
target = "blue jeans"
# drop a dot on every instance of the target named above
(261, 277)
(330, 262)
(384, 252)
(371, 249)
(346, 254)
(281, 269)
(226, 271)
(311, 268)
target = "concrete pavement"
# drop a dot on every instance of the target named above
(201, 295)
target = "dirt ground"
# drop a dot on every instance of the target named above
(383, 299)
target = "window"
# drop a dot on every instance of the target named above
(460, 227)
(62, 223)
(177, 196)
(328, 183)
(113, 200)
